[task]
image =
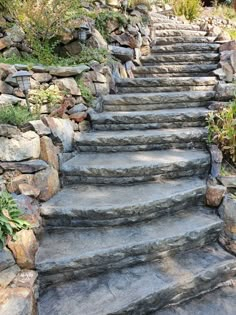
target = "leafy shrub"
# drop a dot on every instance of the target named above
(104, 16)
(224, 11)
(134, 3)
(50, 97)
(191, 9)
(232, 33)
(10, 218)
(222, 130)
(15, 115)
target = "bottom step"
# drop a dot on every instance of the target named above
(224, 304)
(144, 288)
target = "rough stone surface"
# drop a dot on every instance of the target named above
(25, 167)
(49, 152)
(7, 276)
(24, 249)
(20, 147)
(71, 206)
(69, 85)
(6, 259)
(62, 129)
(121, 246)
(47, 181)
(29, 190)
(40, 128)
(8, 131)
(6, 99)
(126, 291)
(68, 71)
(17, 301)
(215, 195)
(228, 215)
(42, 77)
(225, 91)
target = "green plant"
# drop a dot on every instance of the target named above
(104, 17)
(10, 218)
(92, 54)
(224, 11)
(134, 3)
(191, 9)
(15, 115)
(51, 97)
(222, 130)
(232, 33)
(85, 91)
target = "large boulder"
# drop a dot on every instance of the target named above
(68, 84)
(122, 53)
(20, 147)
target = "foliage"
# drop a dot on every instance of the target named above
(232, 33)
(10, 218)
(92, 54)
(224, 11)
(15, 115)
(222, 130)
(134, 3)
(191, 9)
(50, 97)
(85, 91)
(104, 17)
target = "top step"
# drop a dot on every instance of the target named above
(182, 39)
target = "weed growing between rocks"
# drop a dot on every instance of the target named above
(10, 218)
(222, 130)
(191, 9)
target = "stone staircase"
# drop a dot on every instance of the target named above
(129, 232)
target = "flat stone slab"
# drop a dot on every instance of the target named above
(88, 251)
(191, 33)
(186, 47)
(159, 40)
(181, 57)
(219, 302)
(91, 205)
(153, 98)
(172, 25)
(143, 288)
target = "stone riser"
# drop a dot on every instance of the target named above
(183, 48)
(176, 33)
(123, 216)
(146, 126)
(175, 26)
(183, 58)
(164, 89)
(150, 107)
(109, 180)
(125, 255)
(177, 74)
(181, 39)
(152, 63)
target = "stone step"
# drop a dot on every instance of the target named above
(172, 70)
(224, 303)
(160, 84)
(186, 47)
(143, 288)
(155, 106)
(191, 58)
(89, 205)
(130, 167)
(158, 100)
(170, 25)
(82, 252)
(133, 140)
(176, 33)
(170, 118)
(182, 39)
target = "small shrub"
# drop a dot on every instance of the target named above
(104, 16)
(92, 54)
(50, 97)
(85, 91)
(15, 115)
(10, 218)
(224, 11)
(232, 33)
(191, 9)
(222, 130)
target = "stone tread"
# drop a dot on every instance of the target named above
(156, 82)
(186, 58)
(224, 304)
(182, 39)
(135, 137)
(143, 288)
(175, 26)
(185, 47)
(81, 248)
(141, 117)
(154, 98)
(174, 33)
(102, 205)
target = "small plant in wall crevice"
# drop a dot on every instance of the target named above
(10, 218)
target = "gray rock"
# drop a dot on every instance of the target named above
(225, 91)
(61, 129)
(11, 53)
(186, 47)
(5, 88)
(5, 42)
(6, 259)
(8, 275)
(27, 167)
(228, 215)
(96, 40)
(16, 33)
(122, 53)
(69, 85)
(7, 99)
(8, 131)
(21, 147)
(68, 71)
(40, 128)
(42, 77)
(73, 49)
(77, 109)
